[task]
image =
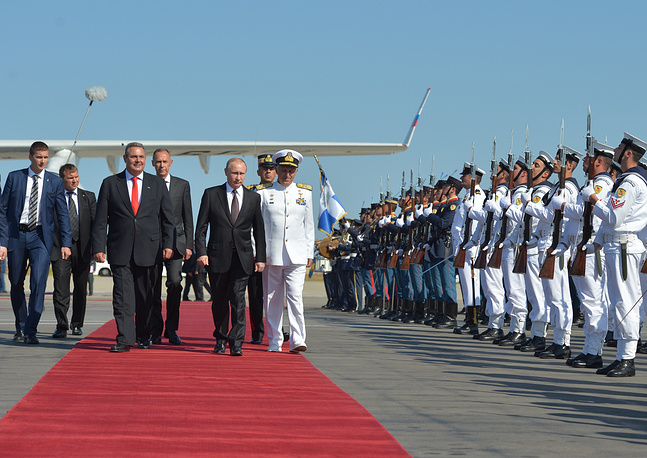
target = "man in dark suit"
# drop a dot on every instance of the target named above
(81, 206)
(32, 200)
(232, 211)
(135, 210)
(180, 193)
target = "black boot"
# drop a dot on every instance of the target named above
(449, 317)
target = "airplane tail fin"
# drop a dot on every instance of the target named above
(409, 136)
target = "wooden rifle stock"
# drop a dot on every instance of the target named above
(520, 265)
(578, 264)
(481, 259)
(644, 268)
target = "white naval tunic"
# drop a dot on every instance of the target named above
(289, 236)
(623, 215)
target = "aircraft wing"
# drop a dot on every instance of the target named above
(19, 149)
(113, 150)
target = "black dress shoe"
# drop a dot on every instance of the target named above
(18, 336)
(525, 342)
(536, 344)
(556, 351)
(642, 349)
(577, 359)
(236, 351)
(590, 361)
(625, 368)
(60, 334)
(119, 348)
(76, 331)
(219, 348)
(467, 328)
(144, 344)
(256, 341)
(31, 339)
(512, 339)
(609, 368)
(155, 340)
(174, 339)
(489, 335)
(445, 322)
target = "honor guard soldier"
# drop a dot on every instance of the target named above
(462, 231)
(555, 283)
(540, 172)
(442, 224)
(623, 216)
(492, 278)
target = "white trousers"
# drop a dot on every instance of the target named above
(515, 285)
(591, 289)
(624, 296)
(495, 297)
(535, 291)
(277, 282)
(465, 276)
(558, 297)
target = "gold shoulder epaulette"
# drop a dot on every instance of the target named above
(304, 186)
(252, 186)
(263, 186)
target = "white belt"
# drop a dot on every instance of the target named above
(620, 237)
(353, 255)
(374, 246)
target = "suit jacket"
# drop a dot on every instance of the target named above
(124, 236)
(52, 207)
(223, 234)
(87, 209)
(180, 192)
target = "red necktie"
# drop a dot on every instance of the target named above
(135, 196)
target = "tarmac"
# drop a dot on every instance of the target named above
(438, 393)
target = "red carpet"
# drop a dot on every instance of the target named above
(188, 401)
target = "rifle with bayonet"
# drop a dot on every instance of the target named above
(459, 261)
(380, 262)
(495, 259)
(393, 261)
(481, 259)
(578, 265)
(406, 261)
(548, 268)
(424, 233)
(521, 262)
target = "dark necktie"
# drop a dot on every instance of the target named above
(33, 205)
(234, 207)
(74, 216)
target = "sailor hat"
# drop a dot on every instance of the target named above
(287, 157)
(634, 143)
(600, 149)
(521, 161)
(504, 165)
(467, 170)
(572, 155)
(546, 159)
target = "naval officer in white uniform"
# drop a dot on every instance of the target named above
(289, 233)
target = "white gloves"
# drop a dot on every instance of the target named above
(504, 202)
(588, 191)
(505, 244)
(525, 197)
(557, 201)
(469, 244)
(561, 248)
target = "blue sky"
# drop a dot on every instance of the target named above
(351, 71)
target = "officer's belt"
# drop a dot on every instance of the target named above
(620, 237)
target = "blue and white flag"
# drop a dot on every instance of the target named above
(330, 209)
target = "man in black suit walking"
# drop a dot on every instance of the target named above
(180, 192)
(232, 211)
(134, 209)
(81, 206)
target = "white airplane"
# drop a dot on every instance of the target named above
(64, 151)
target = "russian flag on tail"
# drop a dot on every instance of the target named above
(330, 209)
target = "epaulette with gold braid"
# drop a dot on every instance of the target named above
(263, 186)
(304, 186)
